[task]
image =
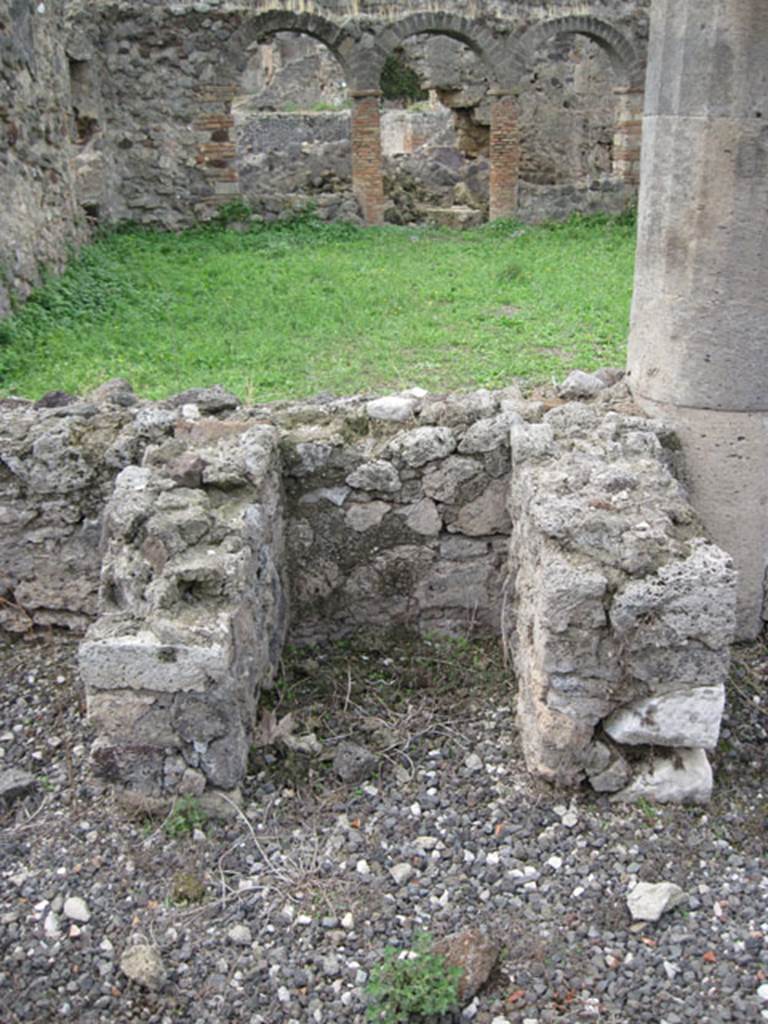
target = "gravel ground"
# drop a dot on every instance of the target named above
(279, 914)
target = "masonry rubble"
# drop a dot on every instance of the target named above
(560, 526)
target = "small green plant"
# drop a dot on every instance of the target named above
(186, 889)
(185, 817)
(410, 984)
(399, 81)
(647, 809)
(232, 212)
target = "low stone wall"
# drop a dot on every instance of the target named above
(539, 203)
(193, 611)
(58, 461)
(558, 524)
(396, 512)
(619, 614)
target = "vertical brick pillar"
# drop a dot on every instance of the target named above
(214, 133)
(505, 156)
(367, 173)
(628, 137)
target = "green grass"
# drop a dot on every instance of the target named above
(294, 310)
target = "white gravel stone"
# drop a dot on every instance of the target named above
(391, 408)
(76, 909)
(473, 762)
(51, 926)
(762, 993)
(684, 778)
(649, 900)
(401, 873)
(362, 868)
(240, 935)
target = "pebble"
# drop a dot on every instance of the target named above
(240, 935)
(402, 873)
(647, 901)
(76, 909)
(143, 964)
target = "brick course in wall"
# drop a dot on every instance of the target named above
(505, 157)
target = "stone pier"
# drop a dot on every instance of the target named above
(367, 167)
(505, 157)
(699, 338)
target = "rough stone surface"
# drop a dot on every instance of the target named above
(578, 385)
(685, 777)
(354, 763)
(475, 954)
(649, 900)
(192, 611)
(15, 783)
(689, 717)
(143, 964)
(616, 603)
(40, 219)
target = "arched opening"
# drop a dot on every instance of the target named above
(292, 129)
(435, 136)
(442, 168)
(580, 114)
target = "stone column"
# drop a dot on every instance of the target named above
(504, 156)
(367, 173)
(698, 354)
(627, 138)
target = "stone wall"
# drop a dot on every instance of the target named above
(193, 611)
(155, 87)
(40, 219)
(619, 614)
(556, 524)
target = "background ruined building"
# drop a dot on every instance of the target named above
(160, 113)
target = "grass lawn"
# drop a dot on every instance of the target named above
(294, 310)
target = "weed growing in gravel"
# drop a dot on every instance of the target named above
(186, 816)
(186, 889)
(408, 984)
(647, 809)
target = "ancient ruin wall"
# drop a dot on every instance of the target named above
(557, 524)
(159, 83)
(40, 219)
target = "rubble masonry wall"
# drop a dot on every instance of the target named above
(559, 525)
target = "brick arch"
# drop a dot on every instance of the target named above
(262, 26)
(369, 61)
(622, 54)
